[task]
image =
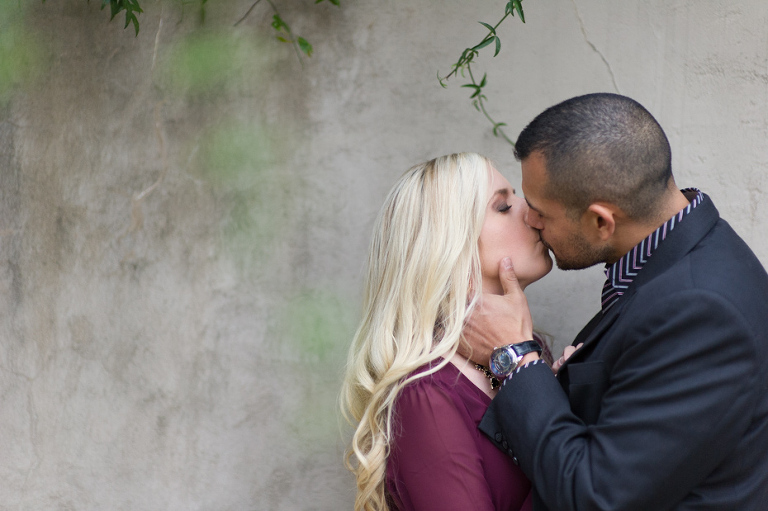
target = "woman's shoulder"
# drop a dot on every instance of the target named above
(440, 384)
(446, 377)
(446, 387)
(432, 402)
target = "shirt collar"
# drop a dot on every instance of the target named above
(622, 273)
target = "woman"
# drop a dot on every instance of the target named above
(437, 244)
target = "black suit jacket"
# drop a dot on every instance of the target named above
(666, 404)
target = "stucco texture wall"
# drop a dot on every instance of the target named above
(184, 214)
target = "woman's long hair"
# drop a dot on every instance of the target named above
(422, 264)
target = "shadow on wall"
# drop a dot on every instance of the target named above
(21, 54)
(186, 117)
(244, 161)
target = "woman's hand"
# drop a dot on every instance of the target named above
(567, 352)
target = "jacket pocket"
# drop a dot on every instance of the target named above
(588, 383)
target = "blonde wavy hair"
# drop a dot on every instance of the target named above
(422, 264)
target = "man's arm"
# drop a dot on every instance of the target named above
(678, 399)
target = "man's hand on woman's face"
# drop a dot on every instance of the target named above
(498, 319)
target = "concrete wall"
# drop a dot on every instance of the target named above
(184, 215)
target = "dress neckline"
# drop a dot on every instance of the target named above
(475, 389)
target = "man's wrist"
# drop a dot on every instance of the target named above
(508, 358)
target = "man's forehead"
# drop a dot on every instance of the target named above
(533, 179)
(534, 183)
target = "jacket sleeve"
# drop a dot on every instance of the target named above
(676, 401)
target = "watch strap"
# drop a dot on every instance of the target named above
(525, 347)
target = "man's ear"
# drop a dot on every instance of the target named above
(599, 221)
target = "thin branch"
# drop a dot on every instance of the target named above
(496, 128)
(467, 58)
(290, 32)
(293, 40)
(491, 33)
(247, 13)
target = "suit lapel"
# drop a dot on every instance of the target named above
(594, 330)
(678, 243)
(588, 329)
(604, 324)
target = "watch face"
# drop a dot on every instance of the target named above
(502, 362)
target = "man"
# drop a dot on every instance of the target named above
(665, 405)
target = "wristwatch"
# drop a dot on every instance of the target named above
(504, 360)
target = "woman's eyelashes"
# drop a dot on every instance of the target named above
(503, 197)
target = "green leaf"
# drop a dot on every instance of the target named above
(483, 44)
(519, 8)
(496, 128)
(441, 80)
(278, 24)
(131, 18)
(114, 7)
(509, 9)
(131, 7)
(498, 46)
(482, 82)
(476, 105)
(486, 25)
(467, 57)
(282, 39)
(304, 46)
(337, 3)
(475, 88)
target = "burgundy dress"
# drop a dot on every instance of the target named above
(439, 460)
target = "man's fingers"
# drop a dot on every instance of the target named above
(508, 278)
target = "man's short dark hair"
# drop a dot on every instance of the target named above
(601, 147)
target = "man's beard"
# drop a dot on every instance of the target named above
(581, 254)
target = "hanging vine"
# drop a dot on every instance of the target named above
(467, 58)
(303, 48)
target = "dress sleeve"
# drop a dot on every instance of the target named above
(434, 463)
